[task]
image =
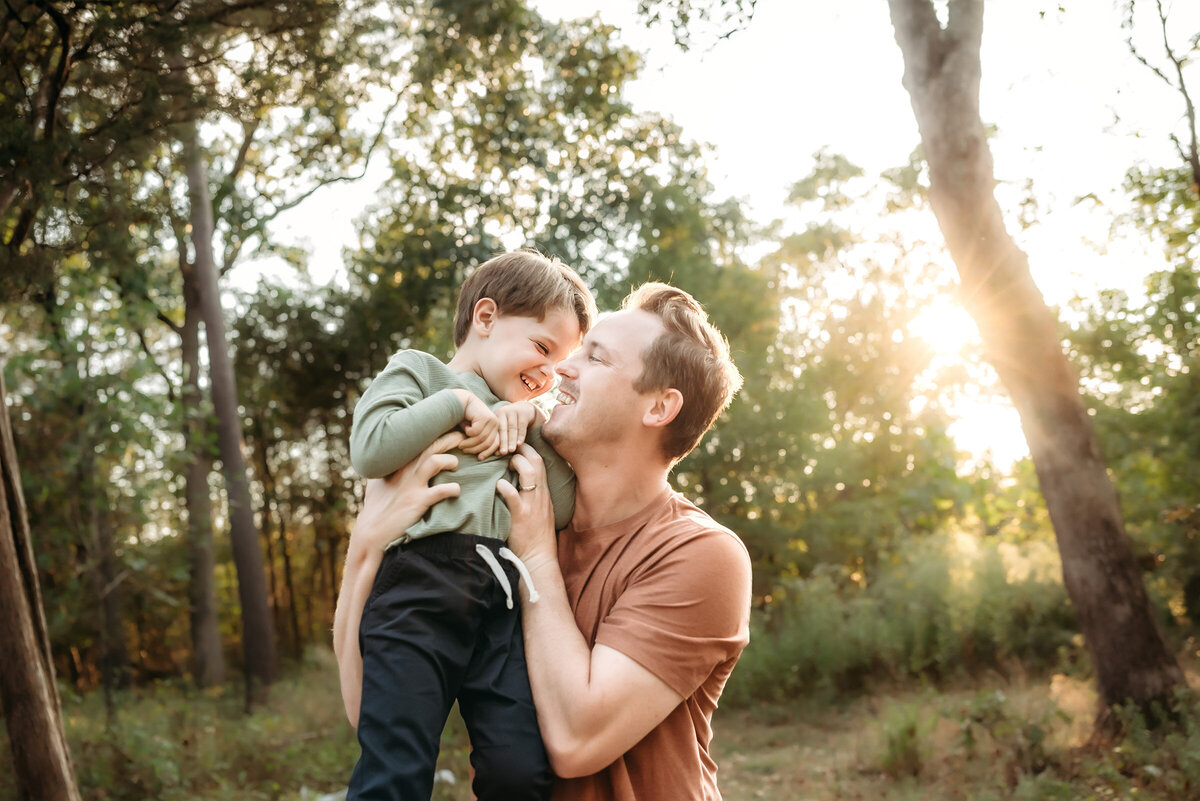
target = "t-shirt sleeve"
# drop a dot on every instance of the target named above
(399, 416)
(685, 613)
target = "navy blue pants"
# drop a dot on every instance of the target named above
(435, 628)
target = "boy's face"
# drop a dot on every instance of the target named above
(519, 354)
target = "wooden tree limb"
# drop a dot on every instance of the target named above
(920, 35)
(63, 67)
(1131, 657)
(1192, 157)
(965, 23)
(41, 758)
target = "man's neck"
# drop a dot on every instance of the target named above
(607, 491)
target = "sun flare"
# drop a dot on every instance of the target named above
(945, 326)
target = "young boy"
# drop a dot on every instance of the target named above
(440, 622)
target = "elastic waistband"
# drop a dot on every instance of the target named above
(451, 544)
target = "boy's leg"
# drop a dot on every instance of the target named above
(507, 754)
(415, 645)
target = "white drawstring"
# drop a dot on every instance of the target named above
(524, 571)
(498, 572)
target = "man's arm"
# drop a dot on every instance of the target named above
(593, 704)
(390, 506)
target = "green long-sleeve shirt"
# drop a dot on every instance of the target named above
(412, 403)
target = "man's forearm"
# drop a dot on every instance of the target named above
(593, 704)
(559, 661)
(357, 579)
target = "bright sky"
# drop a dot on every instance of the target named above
(1073, 109)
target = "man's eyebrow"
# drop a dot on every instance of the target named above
(593, 345)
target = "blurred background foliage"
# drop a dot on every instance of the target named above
(882, 552)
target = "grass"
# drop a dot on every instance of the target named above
(994, 738)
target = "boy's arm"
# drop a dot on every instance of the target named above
(560, 479)
(397, 417)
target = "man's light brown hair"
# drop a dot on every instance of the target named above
(524, 283)
(690, 355)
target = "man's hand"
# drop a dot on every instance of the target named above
(390, 506)
(480, 425)
(532, 535)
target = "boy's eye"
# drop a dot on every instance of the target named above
(542, 349)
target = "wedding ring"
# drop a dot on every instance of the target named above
(530, 488)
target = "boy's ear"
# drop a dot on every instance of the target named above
(484, 315)
(664, 409)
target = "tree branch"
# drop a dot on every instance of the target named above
(141, 335)
(64, 64)
(1193, 155)
(965, 23)
(920, 37)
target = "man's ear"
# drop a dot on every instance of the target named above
(484, 315)
(664, 409)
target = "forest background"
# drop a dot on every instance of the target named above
(161, 319)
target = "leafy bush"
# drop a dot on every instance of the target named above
(940, 606)
(171, 742)
(905, 729)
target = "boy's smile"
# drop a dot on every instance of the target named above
(517, 355)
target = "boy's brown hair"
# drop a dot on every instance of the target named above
(527, 284)
(692, 356)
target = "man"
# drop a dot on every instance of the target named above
(645, 600)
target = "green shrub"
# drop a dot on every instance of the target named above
(905, 729)
(939, 606)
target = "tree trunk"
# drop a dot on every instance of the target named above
(116, 654)
(335, 516)
(293, 614)
(208, 665)
(271, 506)
(258, 631)
(941, 74)
(41, 759)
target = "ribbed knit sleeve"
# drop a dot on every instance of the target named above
(408, 405)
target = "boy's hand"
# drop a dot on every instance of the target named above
(479, 424)
(515, 419)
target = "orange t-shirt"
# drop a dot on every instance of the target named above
(669, 588)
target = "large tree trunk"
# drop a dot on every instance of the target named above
(208, 664)
(258, 630)
(41, 760)
(941, 74)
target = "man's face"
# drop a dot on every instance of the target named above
(598, 403)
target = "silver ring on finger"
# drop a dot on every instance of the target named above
(530, 488)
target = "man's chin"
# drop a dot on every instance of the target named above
(555, 425)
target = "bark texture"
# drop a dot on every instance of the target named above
(942, 74)
(33, 714)
(258, 630)
(208, 665)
